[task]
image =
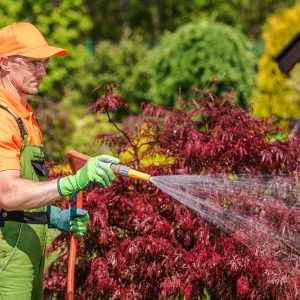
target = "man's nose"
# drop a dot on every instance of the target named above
(41, 70)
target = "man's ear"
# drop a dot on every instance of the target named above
(4, 64)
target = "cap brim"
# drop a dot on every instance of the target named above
(44, 52)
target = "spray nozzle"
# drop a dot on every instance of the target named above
(126, 171)
(116, 168)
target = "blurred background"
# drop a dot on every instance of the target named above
(157, 51)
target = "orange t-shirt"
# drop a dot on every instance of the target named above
(10, 138)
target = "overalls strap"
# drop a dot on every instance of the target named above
(21, 216)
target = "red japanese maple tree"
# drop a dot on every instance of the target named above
(142, 244)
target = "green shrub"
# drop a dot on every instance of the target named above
(84, 135)
(56, 127)
(197, 54)
(122, 63)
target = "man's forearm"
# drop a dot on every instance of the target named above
(26, 194)
(17, 193)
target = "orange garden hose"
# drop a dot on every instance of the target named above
(73, 158)
(76, 159)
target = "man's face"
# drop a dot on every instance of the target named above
(26, 74)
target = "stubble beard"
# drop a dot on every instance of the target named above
(31, 90)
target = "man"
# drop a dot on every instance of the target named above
(25, 194)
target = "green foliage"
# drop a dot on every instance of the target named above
(67, 128)
(122, 63)
(55, 125)
(111, 18)
(197, 54)
(278, 95)
(84, 134)
(247, 15)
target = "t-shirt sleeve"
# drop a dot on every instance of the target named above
(10, 144)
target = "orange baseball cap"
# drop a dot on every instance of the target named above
(24, 39)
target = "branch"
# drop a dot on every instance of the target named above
(135, 148)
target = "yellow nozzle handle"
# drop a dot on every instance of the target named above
(126, 171)
(138, 175)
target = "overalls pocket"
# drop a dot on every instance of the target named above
(39, 167)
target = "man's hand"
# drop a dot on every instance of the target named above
(95, 170)
(73, 219)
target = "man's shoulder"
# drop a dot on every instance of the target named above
(6, 105)
(3, 97)
(5, 110)
(7, 115)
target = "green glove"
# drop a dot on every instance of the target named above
(95, 170)
(73, 219)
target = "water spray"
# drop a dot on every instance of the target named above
(225, 201)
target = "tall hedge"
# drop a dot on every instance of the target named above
(278, 94)
(198, 54)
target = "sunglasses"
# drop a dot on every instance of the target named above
(31, 64)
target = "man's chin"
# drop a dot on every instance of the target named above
(32, 91)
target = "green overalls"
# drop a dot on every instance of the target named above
(22, 243)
